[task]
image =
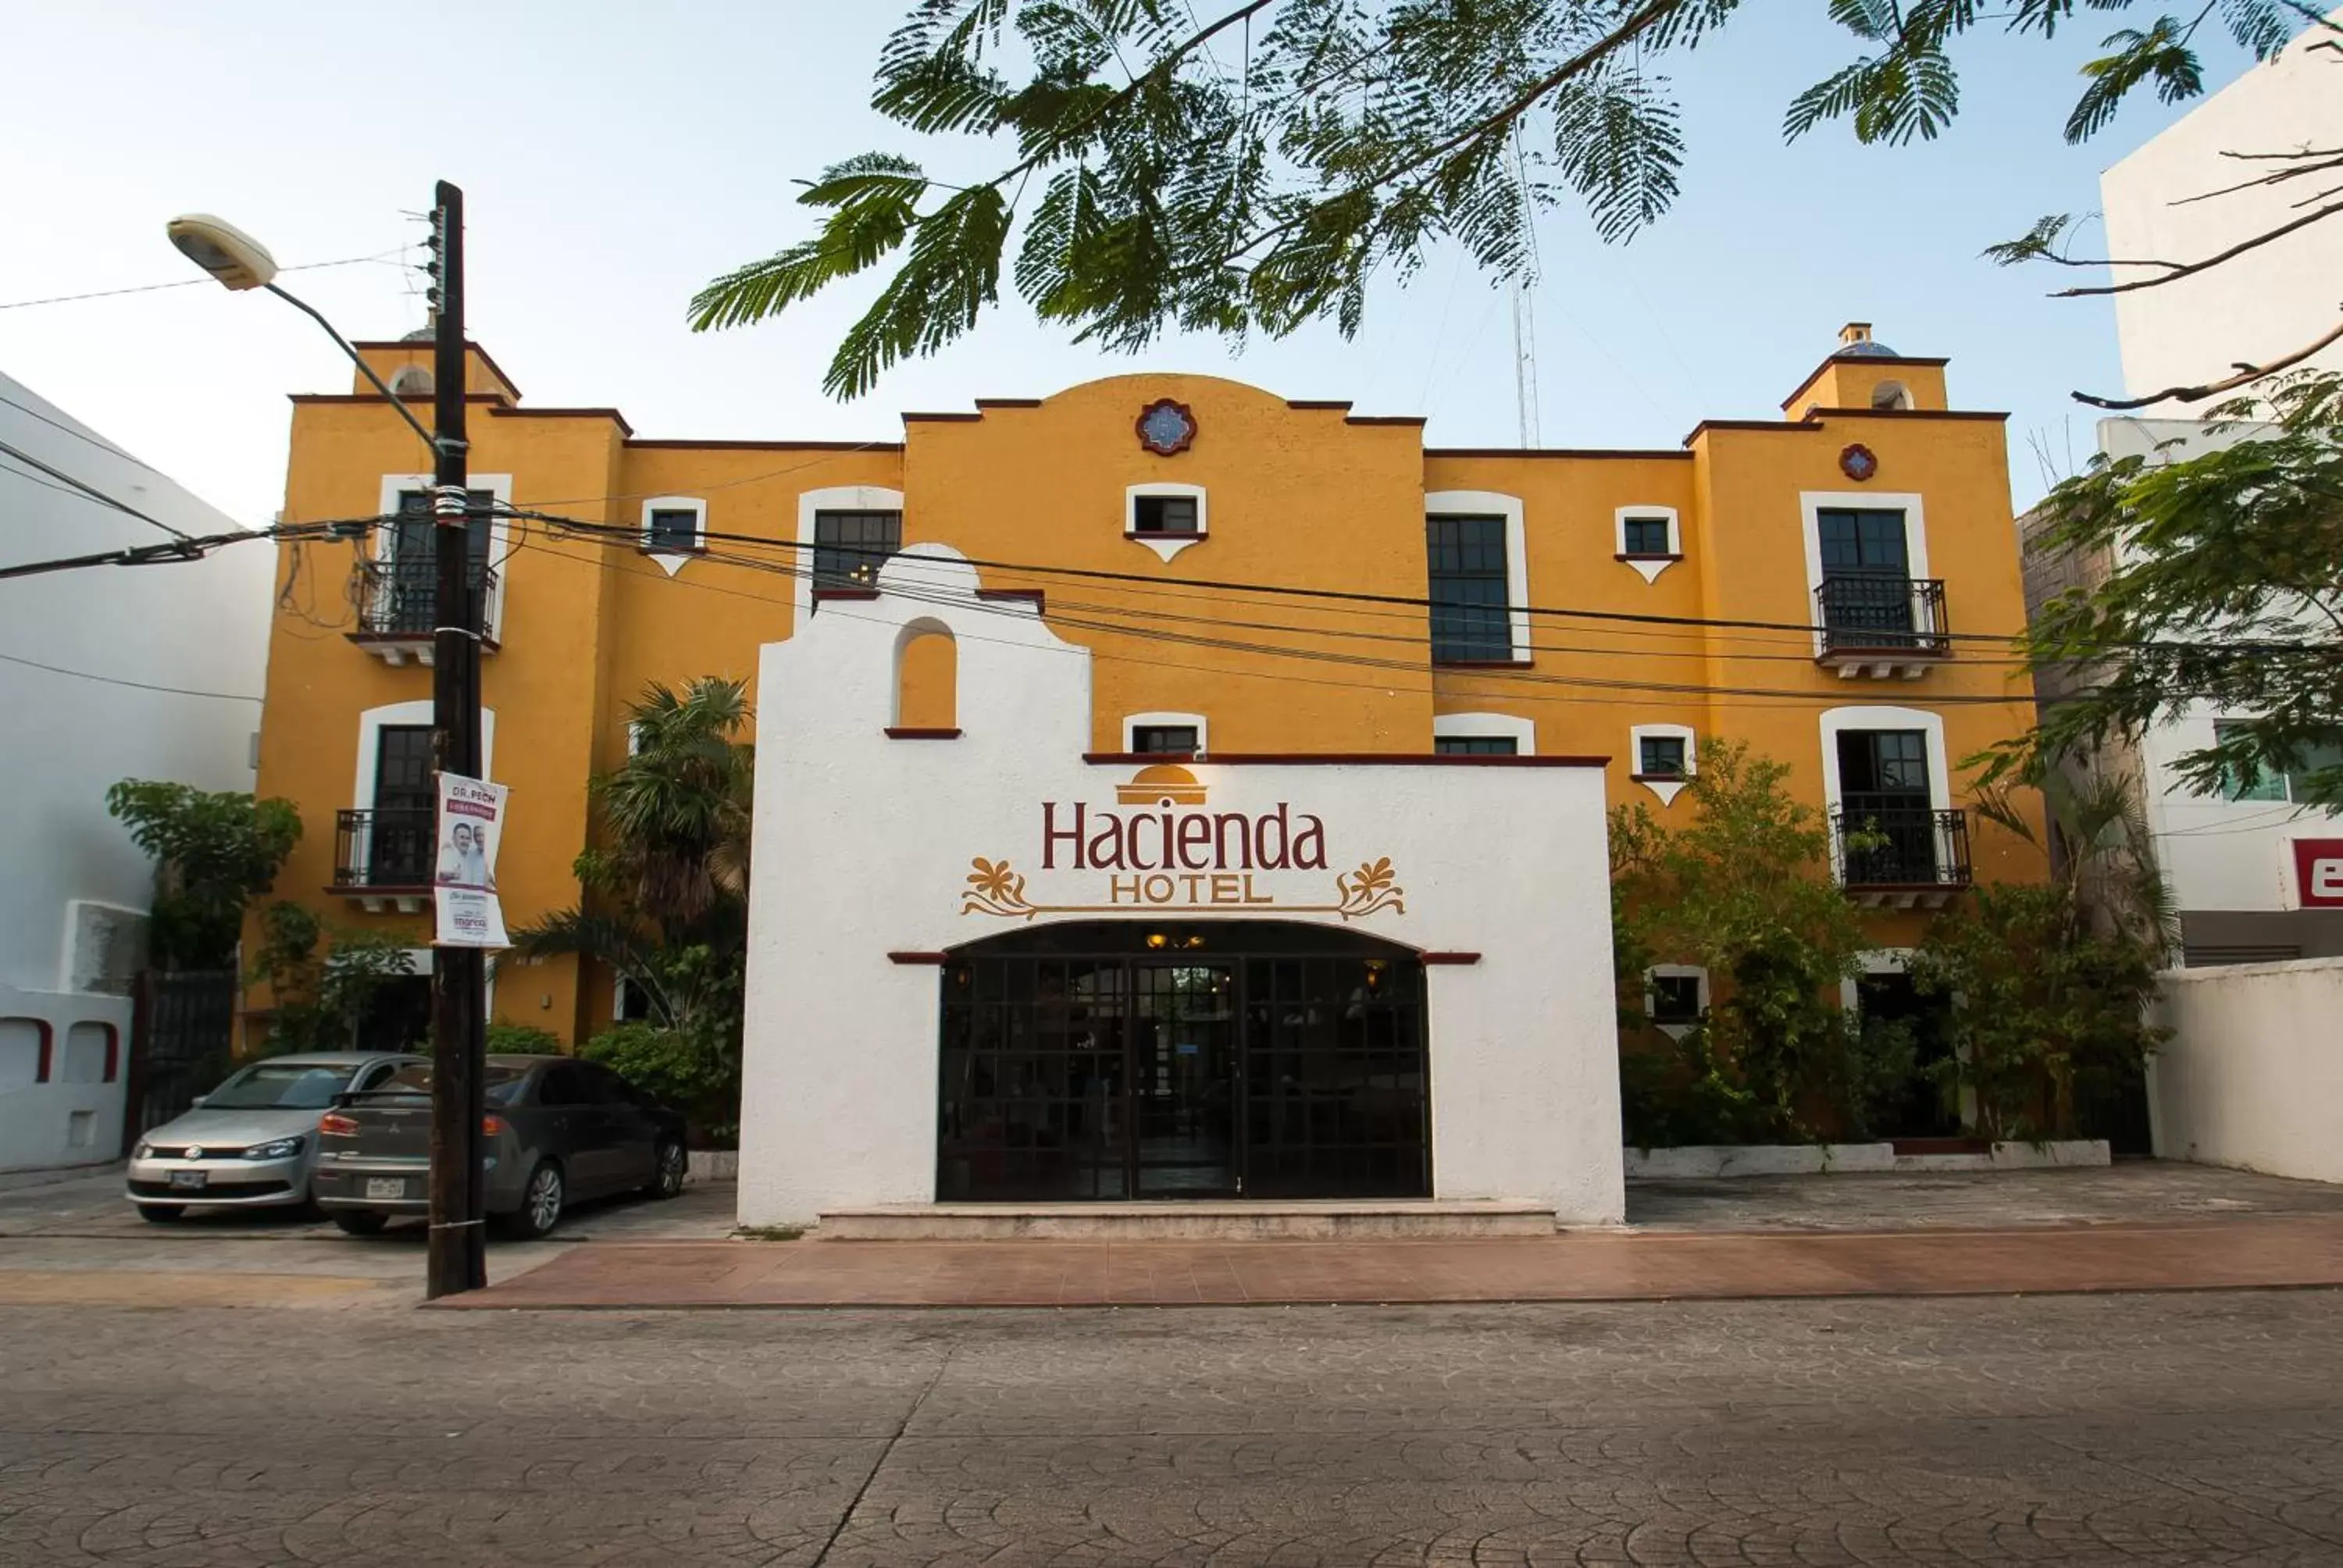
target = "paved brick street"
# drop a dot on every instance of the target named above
(2178, 1430)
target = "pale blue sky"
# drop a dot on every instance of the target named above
(615, 156)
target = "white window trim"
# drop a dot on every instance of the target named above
(1485, 725)
(500, 531)
(1165, 546)
(370, 725)
(1650, 999)
(1134, 722)
(1667, 790)
(837, 499)
(1836, 720)
(1812, 502)
(1874, 962)
(1484, 503)
(1649, 566)
(672, 561)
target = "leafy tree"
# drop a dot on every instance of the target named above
(1742, 889)
(1251, 169)
(2053, 979)
(214, 853)
(2219, 581)
(323, 983)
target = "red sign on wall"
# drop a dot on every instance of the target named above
(2318, 872)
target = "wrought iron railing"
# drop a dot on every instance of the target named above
(1880, 612)
(399, 596)
(1892, 842)
(385, 848)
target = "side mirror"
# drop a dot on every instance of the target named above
(198, 1102)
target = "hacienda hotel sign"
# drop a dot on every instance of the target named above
(1171, 852)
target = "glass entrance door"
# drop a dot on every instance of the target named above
(1184, 1081)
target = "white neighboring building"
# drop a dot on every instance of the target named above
(1001, 970)
(74, 889)
(2267, 302)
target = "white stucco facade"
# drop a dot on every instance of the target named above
(74, 889)
(866, 877)
(2253, 1075)
(2267, 302)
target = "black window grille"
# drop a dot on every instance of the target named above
(1167, 740)
(1675, 999)
(848, 547)
(1660, 757)
(1471, 621)
(671, 531)
(1163, 515)
(1647, 537)
(1474, 746)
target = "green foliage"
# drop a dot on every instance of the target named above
(323, 983)
(1742, 889)
(522, 1040)
(2227, 592)
(214, 853)
(695, 1069)
(1248, 169)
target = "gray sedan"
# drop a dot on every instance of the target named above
(252, 1143)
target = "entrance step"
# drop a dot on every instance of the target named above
(1324, 1219)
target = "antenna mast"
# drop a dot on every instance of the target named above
(1525, 397)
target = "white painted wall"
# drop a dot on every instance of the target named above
(198, 627)
(2253, 1076)
(2265, 303)
(864, 846)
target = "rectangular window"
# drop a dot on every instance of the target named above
(1163, 514)
(1862, 541)
(1660, 757)
(1474, 746)
(1647, 537)
(2260, 785)
(1165, 739)
(848, 547)
(1470, 621)
(671, 529)
(411, 535)
(399, 837)
(1675, 999)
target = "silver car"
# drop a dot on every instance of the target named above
(252, 1143)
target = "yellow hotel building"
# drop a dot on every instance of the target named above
(1789, 582)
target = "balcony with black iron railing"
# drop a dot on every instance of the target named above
(1893, 850)
(397, 599)
(1881, 624)
(382, 858)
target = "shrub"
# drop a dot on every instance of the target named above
(522, 1040)
(214, 853)
(689, 1068)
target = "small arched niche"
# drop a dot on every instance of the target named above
(927, 678)
(1891, 395)
(412, 381)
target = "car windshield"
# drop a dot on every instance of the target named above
(279, 1086)
(503, 1081)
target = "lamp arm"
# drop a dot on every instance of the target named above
(364, 368)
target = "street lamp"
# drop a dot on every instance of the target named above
(457, 1258)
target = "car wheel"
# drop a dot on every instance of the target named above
(540, 1204)
(360, 1221)
(669, 1165)
(160, 1213)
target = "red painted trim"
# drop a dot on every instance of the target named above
(823, 594)
(612, 415)
(671, 550)
(498, 398)
(907, 732)
(1905, 414)
(1661, 778)
(1452, 958)
(918, 958)
(426, 349)
(690, 446)
(412, 891)
(410, 639)
(1480, 664)
(1624, 556)
(1556, 452)
(1834, 357)
(942, 418)
(1009, 402)
(1339, 405)
(1414, 419)
(1697, 431)
(1198, 534)
(1038, 600)
(1338, 759)
(113, 1051)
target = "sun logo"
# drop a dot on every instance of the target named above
(1165, 784)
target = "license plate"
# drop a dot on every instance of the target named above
(386, 1187)
(189, 1179)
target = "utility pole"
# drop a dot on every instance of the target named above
(457, 1256)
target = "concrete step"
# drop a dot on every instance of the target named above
(1265, 1220)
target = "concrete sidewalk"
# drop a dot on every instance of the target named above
(2242, 1254)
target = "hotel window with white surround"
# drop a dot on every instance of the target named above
(848, 547)
(675, 525)
(1470, 589)
(1165, 739)
(1475, 746)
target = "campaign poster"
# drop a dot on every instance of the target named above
(464, 881)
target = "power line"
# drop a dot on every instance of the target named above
(187, 548)
(90, 491)
(117, 680)
(181, 283)
(80, 435)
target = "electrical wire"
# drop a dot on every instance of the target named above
(183, 283)
(117, 680)
(91, 492)
(81, 434)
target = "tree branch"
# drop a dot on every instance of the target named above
(2246, 373)
(2329, 160)
(2305, 221)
